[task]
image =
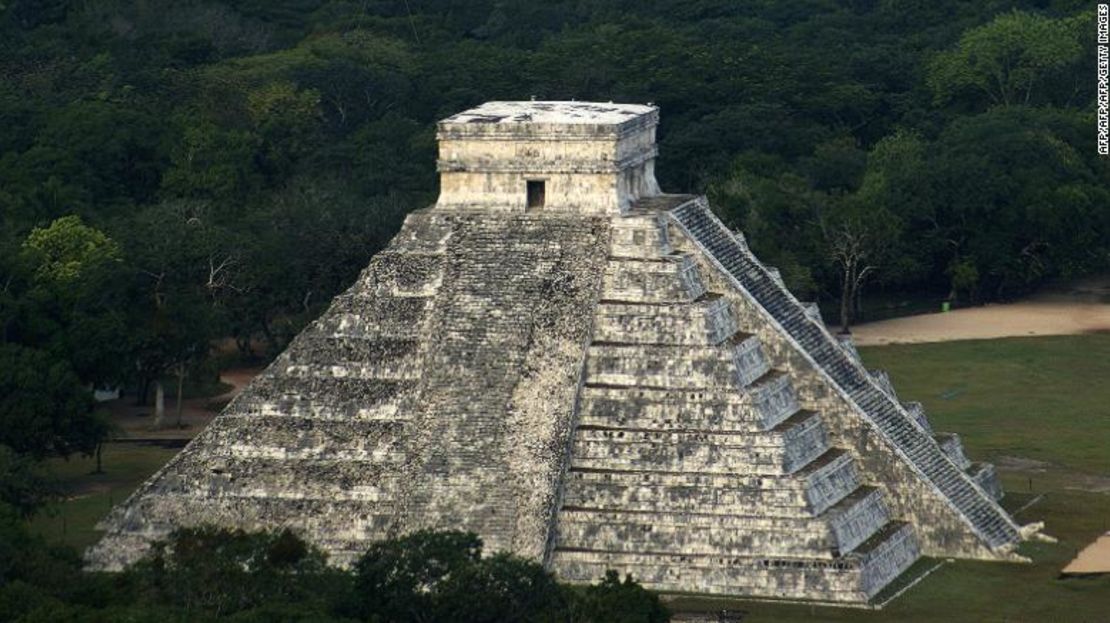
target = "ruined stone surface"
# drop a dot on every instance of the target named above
(611, 381)
(437, 392)
(593, 158)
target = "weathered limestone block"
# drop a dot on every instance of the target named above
(287, 437)
(358, 314)
(429, 233)
(774, 398)
(916, 412)
(852, 579)
(737, 530)
(735, 364)
(954, 448)
(803, 438)
(325, 350)
(369, 479)
(829, 479)
(404, 273)
(401, 370)
(886, 555)
(776, 452)
(708, 321)
(327, 398)
(697, 492)
(749, 360)
(882, 378)
(856, 518)
(608, 406)
(632, 234)
(653, 280)
(987, 478)
(695, 534)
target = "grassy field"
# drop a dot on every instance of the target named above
(126, 466)
(1046, 399)
(1040, 407)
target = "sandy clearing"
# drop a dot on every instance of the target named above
(1082, 307)
(1095, 558)
(991, 321)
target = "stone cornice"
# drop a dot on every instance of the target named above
(544, 132)
(447, 165)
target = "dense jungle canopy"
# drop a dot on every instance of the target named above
(174, 173)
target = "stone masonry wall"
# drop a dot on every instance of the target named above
(940, 531)
(437, 392)
(695, 466)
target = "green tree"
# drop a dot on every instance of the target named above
(73, 298)
(1015, 193)
(33, 575)
(501, 587)
(24, 486)
(185, 266)
(614, 601)
(1006, 59)
(210, 571)
(893, 184)
(211, 162)
(44, 407)
(68, 250)
(398, 579)
(89, 156)
(438, 576)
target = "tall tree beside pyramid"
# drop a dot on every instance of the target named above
(589, 372)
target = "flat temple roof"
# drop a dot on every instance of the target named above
(551, 113)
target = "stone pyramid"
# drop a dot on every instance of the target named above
(590, 373)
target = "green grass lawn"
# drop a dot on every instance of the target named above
(89, 495)
(1045, 399)
(1039, 399)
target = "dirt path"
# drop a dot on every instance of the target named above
(992, 321)
(1081, 309)
(196, 413)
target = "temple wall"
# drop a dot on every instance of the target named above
(574, 193)
(592, 172)
(940, 530)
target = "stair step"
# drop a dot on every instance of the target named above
(982, 512)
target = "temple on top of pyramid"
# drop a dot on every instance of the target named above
(566, 156)
(587, 372)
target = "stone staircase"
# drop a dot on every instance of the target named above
(505, 346)
(436, 392)
(694, 463)
(731, 255)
